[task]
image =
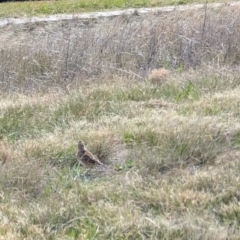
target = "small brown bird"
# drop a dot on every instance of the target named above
(86, 158)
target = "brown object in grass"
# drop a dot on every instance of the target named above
(158, 76)
(86, 158)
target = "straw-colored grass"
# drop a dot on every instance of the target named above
(173, 169)
(170, 138)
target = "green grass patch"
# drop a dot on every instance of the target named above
(178, 148)
(21, 122)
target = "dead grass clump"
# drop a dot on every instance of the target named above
(6, 151)
(157, 103)
(48, 151)
(158, 76)
(23, 180)
(178, 147)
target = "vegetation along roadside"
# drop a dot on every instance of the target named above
(154, 97)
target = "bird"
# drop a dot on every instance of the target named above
(86, 158)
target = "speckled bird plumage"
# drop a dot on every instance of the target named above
(86, 158)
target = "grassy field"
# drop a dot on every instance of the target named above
(172, 149)
(158, 103)
(74, 6)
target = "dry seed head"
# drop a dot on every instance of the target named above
(157, 76)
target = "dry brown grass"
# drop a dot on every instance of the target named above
(124, 46)
(156, 186)
(157, 76)
(6, 152)
(172, 147)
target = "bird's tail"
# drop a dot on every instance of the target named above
(102, 166)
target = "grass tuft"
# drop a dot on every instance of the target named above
(157, 76)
